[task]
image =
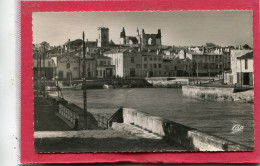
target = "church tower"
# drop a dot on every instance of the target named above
(103, 37)
(138, 36)
(159, 38)
(143, 38)
(122, 37)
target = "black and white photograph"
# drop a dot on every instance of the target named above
(153, 81)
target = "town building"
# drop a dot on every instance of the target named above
(90, 65)
(177, 67)
(104, 69)
(232, 76)
(131, 63)
(68, 67)
(152, 63)
(210, 62)
(127, 62)
(245, 69)
(41, 69)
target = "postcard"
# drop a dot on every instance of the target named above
(153, 82)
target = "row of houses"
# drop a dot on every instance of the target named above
(127, 62)
(69, 66)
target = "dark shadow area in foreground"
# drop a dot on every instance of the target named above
(115, 144)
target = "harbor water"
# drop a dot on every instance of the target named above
(229, 120)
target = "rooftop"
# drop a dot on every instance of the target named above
(118, 50)
(247, 56)
(100, 57)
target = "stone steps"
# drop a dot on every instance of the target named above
(134, 130)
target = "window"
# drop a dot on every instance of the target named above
(68, 65)
(160, 59)
(155, 66)
(138, 66)
(100, 72)
(160, 65)
(175, 67)
(151, 66)
(132, 72)
(246, 64)
(159, 71)
(151, 59)
(132, 60)
(49, 63)
(155, 59)
(150, 41)
(145, 66)
(145, 58)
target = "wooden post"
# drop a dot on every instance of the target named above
(84, 80)
(197, 69)
(40, 77)
(37, 77)
(222, 68)
(241, 74)
(44, 72)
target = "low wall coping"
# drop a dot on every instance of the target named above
(182, 134)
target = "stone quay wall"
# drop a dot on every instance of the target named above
(217, 93)
(175, 133)
(164, 82)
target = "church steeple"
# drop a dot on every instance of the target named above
(137, 31)
(122, 34)
(122, 37)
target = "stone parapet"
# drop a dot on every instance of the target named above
(176, 133)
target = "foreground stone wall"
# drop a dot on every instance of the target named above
(217, 94)
(177, 133)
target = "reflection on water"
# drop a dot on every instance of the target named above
(217, 118)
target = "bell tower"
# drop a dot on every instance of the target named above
(103, 37)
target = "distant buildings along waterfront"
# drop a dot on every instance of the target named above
(141, 55)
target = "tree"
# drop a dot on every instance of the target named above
(210, 45)
(247, 47)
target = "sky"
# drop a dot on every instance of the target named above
(184, 28)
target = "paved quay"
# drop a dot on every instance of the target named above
(54, 135)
